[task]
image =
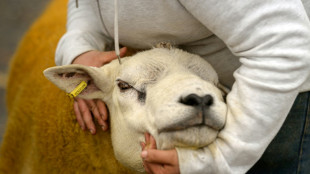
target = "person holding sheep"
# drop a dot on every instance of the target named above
(260, 49)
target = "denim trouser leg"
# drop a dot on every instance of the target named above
(289, 152)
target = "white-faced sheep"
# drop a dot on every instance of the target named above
(169, 93)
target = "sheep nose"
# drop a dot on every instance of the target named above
(195, 100)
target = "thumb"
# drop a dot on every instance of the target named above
(123, 51)
(111, 55)
(160, 156)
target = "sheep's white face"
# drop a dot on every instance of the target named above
(169, 93)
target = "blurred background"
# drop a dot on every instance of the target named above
(16, 16)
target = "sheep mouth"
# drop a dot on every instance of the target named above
(180, 128)
(199, 120)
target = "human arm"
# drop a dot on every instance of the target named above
(84, 33)
(86, 43)
(84, 109)
(272, 40)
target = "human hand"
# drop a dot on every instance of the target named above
(158, 161)
(97, 58)
(84, 109)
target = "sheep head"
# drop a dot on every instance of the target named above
(169, 93)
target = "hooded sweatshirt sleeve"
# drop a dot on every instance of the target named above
(272, 39)
(84, 33)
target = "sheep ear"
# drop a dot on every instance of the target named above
(68, 77)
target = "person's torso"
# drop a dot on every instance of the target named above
(144, 23)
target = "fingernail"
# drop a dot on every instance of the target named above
(103, 127)
(142, 145)
(144, 154)
(91, 131)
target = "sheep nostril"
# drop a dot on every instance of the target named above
(191, 100)
(195, 100)
(207, 100)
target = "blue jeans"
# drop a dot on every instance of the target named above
(289, 152)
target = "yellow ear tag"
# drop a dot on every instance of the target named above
(78, 90)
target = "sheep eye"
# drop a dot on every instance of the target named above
(123, 85)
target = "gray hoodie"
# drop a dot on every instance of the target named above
(261, 49)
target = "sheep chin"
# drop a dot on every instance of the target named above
(191, 137)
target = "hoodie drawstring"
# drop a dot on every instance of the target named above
(116, 38)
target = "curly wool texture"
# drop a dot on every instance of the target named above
(42, 134)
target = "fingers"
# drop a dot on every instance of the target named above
(160, 168)
(98, 111)
(168, 157)
(89, 58)
(78, 115)
(123, 51)
(85, 110)
(148, 167)
(98, 58)
(147, 137)
(150, 142)
(111, 55)
(151, 154)
(142, 144)
(151, 168)
(86, 115)
(103, 114)
(158, 161)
